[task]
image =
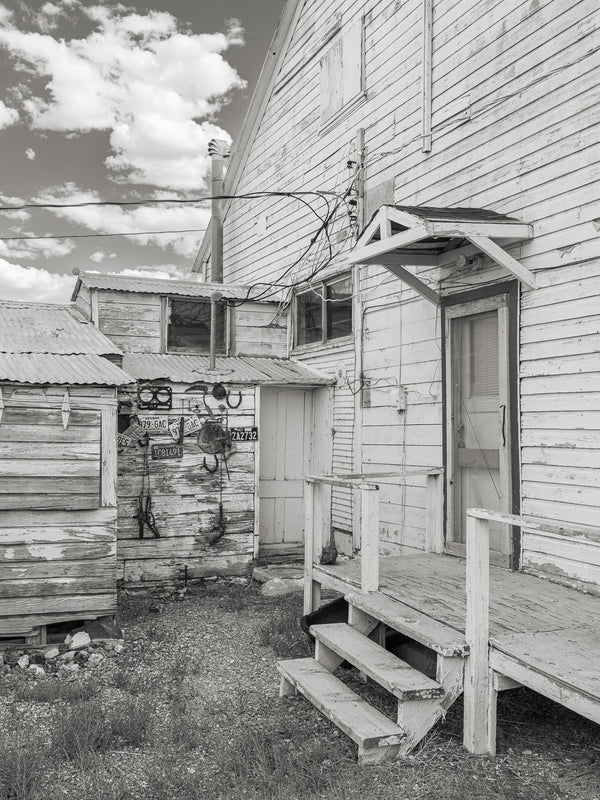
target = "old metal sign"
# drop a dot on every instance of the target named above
(244, 434)
(155, 423)
(163, 451)
(190, 425)
(123, 441)
(131, 435)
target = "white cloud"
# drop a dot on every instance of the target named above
(30, 249)
(38, 285)
(98, 256)
(34, 284)
(113, 219)
(150, 84)
(8, 116)
(30, 154)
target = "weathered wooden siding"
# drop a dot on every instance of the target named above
(57, 551)
(83, 302)
(515, 129)
(259, 329)
(185, 500)
(131, 320)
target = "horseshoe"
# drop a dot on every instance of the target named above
(207, 468)
(231, 405)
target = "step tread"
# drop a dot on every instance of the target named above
(418, 626)
(364, 724)
(395, 675)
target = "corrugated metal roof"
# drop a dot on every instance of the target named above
(48, 328)
(42, 368)
(230, 369)
(121, 283)
(455, 214)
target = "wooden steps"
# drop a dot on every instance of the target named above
(395, 675)
(378, 738)
(421, 700)
(441, 638)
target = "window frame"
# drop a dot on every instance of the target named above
(165, 314)
(354, 100)
(321, 287)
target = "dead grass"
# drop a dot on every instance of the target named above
(190, 710)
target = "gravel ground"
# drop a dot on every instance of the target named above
(194, 712)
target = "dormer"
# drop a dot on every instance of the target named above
(146, 315)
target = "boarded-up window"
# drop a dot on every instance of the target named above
(342, 70)
(44, 466)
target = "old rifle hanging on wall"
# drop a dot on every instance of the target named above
(144, 514)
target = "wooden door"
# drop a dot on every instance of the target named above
(479, 419)
(285, 437)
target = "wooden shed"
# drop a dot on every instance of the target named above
(58, 503)
(459, 312)
(215, 503)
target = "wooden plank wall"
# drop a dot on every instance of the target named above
(131, 320)
(57, 563)
(515, 129)
(185, 501)
(259, 329)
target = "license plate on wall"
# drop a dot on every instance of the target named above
(162, 451)
(244, 434)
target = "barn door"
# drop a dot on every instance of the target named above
(285, 436)
(479, 420)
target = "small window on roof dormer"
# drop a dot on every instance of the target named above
(188, 325)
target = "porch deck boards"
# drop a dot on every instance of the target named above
(550, 628)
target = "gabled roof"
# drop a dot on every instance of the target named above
(254, 114)
(49, 328)
(53, 344)
(131, 283)
(232, 369)
(398, 237)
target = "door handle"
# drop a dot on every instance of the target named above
(503, 425)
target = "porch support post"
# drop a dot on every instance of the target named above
(434, 504)
(312, 543)
(369, 547)
(477, 716)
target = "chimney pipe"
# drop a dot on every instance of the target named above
(214, 299)
(218, 151)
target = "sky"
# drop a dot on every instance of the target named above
(115, 102)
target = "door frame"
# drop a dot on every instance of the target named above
(511, 290)
(318, 441)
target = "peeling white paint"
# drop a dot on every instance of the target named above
(9, 552)
(48, 551)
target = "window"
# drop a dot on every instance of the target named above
(325, 312)
(342, 71)
(188, 326)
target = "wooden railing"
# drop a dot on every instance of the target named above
(368, 491)
(478, 733)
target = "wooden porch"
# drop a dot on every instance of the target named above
(488, 628)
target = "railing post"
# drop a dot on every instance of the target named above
(369, 544)
(434, 504)
(476, 688)
(312, 590)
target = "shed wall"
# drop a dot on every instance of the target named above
(185, 502)
(57, 555)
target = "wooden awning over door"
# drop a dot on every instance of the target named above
(404, 238)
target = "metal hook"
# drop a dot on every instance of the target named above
(207, 468)
(231, 405)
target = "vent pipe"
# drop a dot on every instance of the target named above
(218, 151)
(215, 298)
